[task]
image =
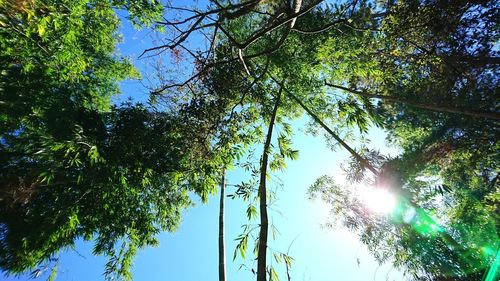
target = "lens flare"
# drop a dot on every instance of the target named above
(379, 200)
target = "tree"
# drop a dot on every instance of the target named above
(222, 247)
(253, 51)
(262, 58)
(98, 184)
(410, 56)
(264, 221)
(258, 48)
(72, 165)
(407, 59)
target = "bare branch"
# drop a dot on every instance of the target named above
(165, 87)
(240, 55)
(319, 29)
(258, 35)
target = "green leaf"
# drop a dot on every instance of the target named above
(273, 275)
(251, 212)
(277, 257)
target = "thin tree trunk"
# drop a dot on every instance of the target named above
(264, 222)
(441, 108)
(222, 248)
(480, 61)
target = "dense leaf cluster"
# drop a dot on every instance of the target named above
(73, 166)
(425, 71)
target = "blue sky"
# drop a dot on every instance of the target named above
(190, 254)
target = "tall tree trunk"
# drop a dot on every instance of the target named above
(426, 106)
(222, 248)
(264, 222)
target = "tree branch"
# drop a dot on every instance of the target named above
(356, 155)
(426, 106)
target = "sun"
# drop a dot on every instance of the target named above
(378, 200)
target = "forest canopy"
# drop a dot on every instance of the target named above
(75, 165)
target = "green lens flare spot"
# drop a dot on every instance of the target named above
(493, 272)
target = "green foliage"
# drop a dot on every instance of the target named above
(71, 165)
(71, 64)
(436, 53)
(74, 166)
(407, 53)
(446, 246)
(242, 246)
(131, 189)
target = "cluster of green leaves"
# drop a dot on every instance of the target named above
(124, 175)
(405, 54)
(71, 165)
(121, 174)
(47, 44)
(424, 53)
(252, 86)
